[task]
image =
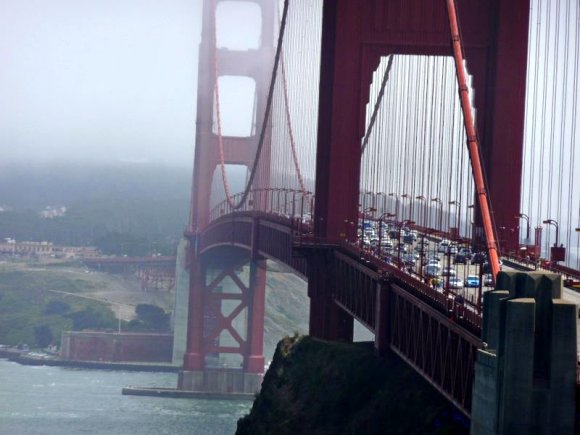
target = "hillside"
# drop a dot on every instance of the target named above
(143, 208)
(45, 295)
(131, 209)
(287, 309)
(29, 287)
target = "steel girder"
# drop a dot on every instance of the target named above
(441, 351)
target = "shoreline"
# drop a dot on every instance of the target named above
(22, 357)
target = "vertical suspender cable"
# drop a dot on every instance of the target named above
(576, 71)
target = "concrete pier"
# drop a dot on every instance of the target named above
(208, 384)
(220, 381)
(525, 378)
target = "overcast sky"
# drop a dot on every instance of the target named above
(98, 80)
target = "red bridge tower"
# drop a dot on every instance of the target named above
(227, 284)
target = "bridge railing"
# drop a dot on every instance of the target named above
(570, 276)
(295, 205)
(450, 302)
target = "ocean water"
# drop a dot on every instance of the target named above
(56, 400)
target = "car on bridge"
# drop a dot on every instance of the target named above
(409, 260)
(448, 271)
(479, 258)
(433, 263)
(488, 280)
(402, 247)
(460, 259)
(432, 270)
(486, 268)
(387, 245)
(443, 246)
(472, 281)
(433, 257)
(455, 282)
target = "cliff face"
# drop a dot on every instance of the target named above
(315, 387)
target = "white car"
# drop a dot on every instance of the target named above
(455, 282)
(431, 270)
(488, 280)
(448, 271)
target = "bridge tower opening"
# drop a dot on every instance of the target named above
(355, 35)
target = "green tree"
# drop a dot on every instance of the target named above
(150, 317)
(56, 307)
(88, 318)
(43, 335)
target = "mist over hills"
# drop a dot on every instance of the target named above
(124, 208)
(37, 185)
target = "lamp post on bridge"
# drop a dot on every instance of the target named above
(472, 225)
(400, 226)
(364, 200)
(364, 212)
(406, 195)
(555, 224)
(558, 252)
(381, 220)
(458, 205)
(383, 207)
(527, 219)
(438, 200)
(396, 204)
(424, 202)
(424, 233)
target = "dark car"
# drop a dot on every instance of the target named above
(460, 259)
(478, 258)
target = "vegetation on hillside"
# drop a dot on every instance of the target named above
(129, 210)
(150, 318)
(35, 307)
(287, 309)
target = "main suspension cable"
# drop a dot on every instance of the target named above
(377, 104)
(473, 141)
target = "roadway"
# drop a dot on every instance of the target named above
(430, 249)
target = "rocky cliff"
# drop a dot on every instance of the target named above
(316, 387)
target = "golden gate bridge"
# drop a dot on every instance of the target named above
(394, 154)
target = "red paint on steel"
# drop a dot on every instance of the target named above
(338, 151)
(255, 358)
(503, 141)
(357, 33)
(236, 150)
(193, 359)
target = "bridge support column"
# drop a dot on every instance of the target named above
(226, 324)
(194, 358)
(327, 320)
(525, 379)
(255, 358)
